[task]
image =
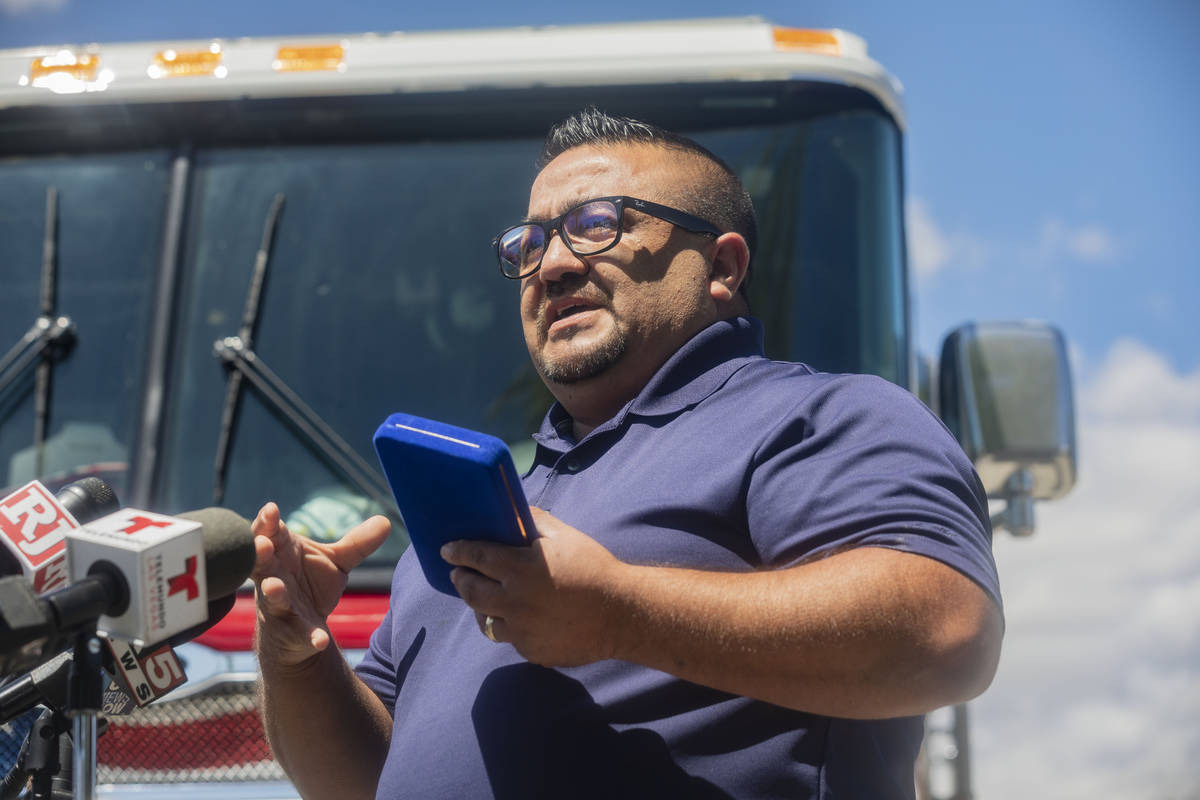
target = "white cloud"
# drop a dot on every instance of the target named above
(931, 250)
(1098, 691)
(1088, 243)
(22, 6)
(928, 249)
(1139, 384)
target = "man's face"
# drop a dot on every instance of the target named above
(618, 315)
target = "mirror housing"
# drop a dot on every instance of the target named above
(1005, 392)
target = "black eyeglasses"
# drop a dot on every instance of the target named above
(587, 229)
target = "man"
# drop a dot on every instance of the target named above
(751, 578)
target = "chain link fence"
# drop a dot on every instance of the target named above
(212, 736)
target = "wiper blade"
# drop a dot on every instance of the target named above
(41, 406)
(233, 391)
(48, 339)
(237, 352)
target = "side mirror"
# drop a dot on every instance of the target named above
(1005, 392)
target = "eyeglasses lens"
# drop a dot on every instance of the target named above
(521, 249)
(592, 227)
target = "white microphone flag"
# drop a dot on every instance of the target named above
(162, 560)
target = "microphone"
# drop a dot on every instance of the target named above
(33, 526)
(148, 673)
(88, 499)
(137, 575)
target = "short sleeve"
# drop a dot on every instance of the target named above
(861, 462)
(378, 667)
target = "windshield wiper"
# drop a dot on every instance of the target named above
(47, 340)
(237, 352)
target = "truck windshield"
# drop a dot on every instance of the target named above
(105, 224)
(382, 295)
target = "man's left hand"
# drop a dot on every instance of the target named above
(554, 601)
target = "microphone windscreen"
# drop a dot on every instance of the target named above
(217, 609)
(228, 549)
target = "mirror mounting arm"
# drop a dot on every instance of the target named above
(1017, 517)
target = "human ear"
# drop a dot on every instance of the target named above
(731, 258)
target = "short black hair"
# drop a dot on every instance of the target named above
(725, 203)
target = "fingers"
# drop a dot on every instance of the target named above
(266, 523)
(264, 527)
(491, 627)
(269, 573)
(477, 590)
(481, 568)
(264, 558)
(359, 542)
(489, 558)
(319, 639)
(289, 632)
(274, 594)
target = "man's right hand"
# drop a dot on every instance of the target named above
(299, 581)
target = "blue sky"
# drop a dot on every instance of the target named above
(1051, 173)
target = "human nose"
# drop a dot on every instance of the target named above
(558, 260)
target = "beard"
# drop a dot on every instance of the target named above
(588, 364)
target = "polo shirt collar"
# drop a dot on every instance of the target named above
(692, 373)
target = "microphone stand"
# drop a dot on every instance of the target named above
(85, 692)
(63, 767)
(47, 758)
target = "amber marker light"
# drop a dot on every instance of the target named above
(81, 67)
(310, 58)
(67, 72)
(188, 63)
(825, 42)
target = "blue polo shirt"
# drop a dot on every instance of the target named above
(725, 461)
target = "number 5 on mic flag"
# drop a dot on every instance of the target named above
(147, 676)
(162, 560)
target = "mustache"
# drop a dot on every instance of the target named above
(569, 283)
(574, 285)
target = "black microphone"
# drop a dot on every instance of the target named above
(88, 499)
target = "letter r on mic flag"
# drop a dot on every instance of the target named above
(34, 525)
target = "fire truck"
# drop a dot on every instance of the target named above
(226, 261)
